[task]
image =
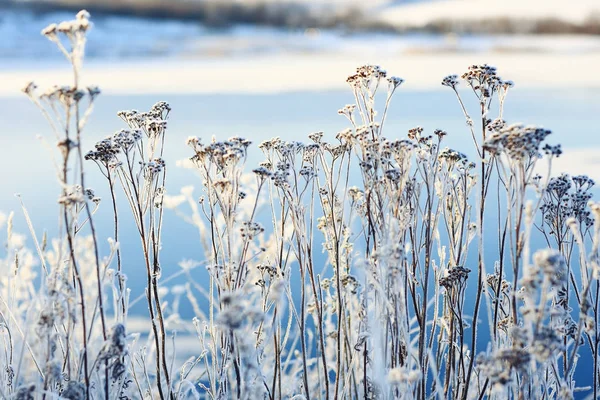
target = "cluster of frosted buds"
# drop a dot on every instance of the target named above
(492, 281)
(153, 123)
(415, 133)
(583, 182)
(558, 187)
(74, 32)
(68, 96)
(517, 141)
(346, 136)
(250, 229)
(270, 144)
(307, 172)
(268, 270)
(548, 271)
(155, 127)
(105, 152)
(154, 166)
(310, 152)
(195, 142)
(347, 111)
(280, 178)
(126, 139)
(553, 150)
(484, 80)
(130, 117)
(288, 149)
(365, 75)
(399, 150)
(450, 81)
(317, 136)
(494, 125)
(394, 82)
(367, 164)
(57, 100)
(367, 132)
(266, 164)
(283, 166)
(262, 173)
(222, 154)
(80, 24)
(440, 133)
(425, 146)
(282, 171)
(393, 174)
(560, 202)
(451, 157)
(161, 109)
(456, 277)
(336, 151)
(479, 72)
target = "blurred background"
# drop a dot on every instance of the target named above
(156, 28)
(265, 68)
(209, 29)
(536, 42)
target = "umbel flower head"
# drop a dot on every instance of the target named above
(517, 141)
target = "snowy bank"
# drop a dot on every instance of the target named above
(284, 73)
(419, 14)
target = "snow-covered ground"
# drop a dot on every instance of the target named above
(278, 73)
(424, 12)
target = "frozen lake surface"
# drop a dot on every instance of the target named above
(570, 114)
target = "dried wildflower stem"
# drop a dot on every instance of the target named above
(150, 275)
(77, 278)
(484, 83)
(143, 189)
(90, 221)
(122, 300)
(480, 265)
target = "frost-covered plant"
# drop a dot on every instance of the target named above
(338, 268)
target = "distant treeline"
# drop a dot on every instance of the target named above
(217, 13)
(295, 14)
(591, 26)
